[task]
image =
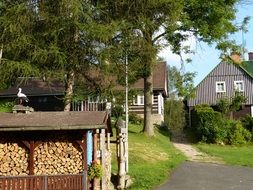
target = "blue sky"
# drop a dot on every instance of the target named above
(207, 57)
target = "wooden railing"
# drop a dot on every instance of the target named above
(50, 182)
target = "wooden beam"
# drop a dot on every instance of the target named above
(95, 145)
(31, 158)
(83, 145)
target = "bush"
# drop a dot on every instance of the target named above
(247, 122)
(94, 171)
(117, 111)
(135, 119)
(211, 127)
(237, 134)
(6, 106)
(174, 114)
(209, 124)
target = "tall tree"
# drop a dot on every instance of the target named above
(158, 23)
(51, 38)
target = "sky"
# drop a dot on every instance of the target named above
(207, 57)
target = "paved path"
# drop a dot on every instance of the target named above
(202, 172)
(208, 176)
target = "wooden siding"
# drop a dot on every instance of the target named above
(206, 90)
(139, 109)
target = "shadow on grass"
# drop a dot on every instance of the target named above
(163, 129)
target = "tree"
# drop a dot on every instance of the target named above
(166, 22)
(51, 39)
(180, 84)
(180, 87)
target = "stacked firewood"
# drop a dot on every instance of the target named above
(57, 158)
(13, 159)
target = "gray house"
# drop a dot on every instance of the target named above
(224, 80)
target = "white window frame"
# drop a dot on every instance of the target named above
(236, 85)
(218, 90)
(138, 100)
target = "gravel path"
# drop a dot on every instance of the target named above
(192, 154)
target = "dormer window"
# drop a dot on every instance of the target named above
(239, 86)
(220, 87)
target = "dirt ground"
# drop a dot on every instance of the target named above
(179, 140)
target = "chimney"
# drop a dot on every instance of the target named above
(236, 57)
(250, 56)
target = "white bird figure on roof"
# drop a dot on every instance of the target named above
(22, 96)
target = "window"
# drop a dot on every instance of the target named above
(239, 86)
(220, 86)
(138, 100)
(141, 100)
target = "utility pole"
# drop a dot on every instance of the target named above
(1, 52)
(126, 109)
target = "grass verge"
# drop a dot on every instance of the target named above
(233, 155)
(151, 159)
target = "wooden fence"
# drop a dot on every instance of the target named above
(88, 106)
(50, 182)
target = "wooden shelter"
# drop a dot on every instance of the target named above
(51, 144)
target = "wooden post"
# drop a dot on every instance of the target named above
(103, 161)
(31, 158)
(95, 145)
(121, 140)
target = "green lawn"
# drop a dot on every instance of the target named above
(233, 155)
(150, 159)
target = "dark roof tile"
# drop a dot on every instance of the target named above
(52, 121)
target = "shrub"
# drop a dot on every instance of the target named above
(211, 127)
(174, 114)
(117, 111)
(135, 119)
(237, 134)
(209, 124)
(247, 122)
(94, 170)
(6, 106)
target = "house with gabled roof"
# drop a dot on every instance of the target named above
(224, 80)
(48, 95)
(160, 93)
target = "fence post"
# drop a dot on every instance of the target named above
(84, 178)
(121, 151)
(45, 183)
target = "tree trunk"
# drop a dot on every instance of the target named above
(69, 90)
(148, 92)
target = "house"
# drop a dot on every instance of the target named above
(224, 80)
(48, 96)
(42, 150)
(43, 96)
(160, 94)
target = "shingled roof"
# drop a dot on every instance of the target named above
(38, 87)
(41, 121)
(35, 87)
(159, 78)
